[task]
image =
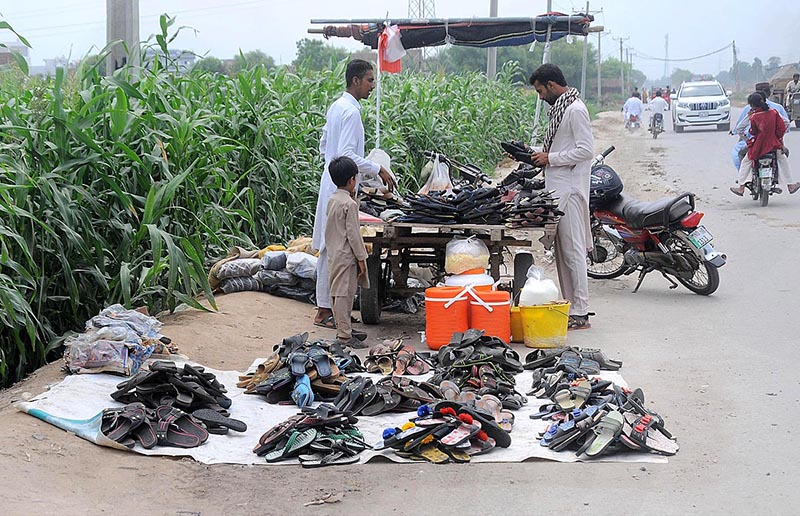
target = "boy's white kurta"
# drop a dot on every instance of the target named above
(569, 174)
(343, 135)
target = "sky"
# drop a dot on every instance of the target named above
(74, 28)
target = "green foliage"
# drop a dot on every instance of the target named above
(680, 75)
(209, 64)
(313, 54)
(125, 188)
(247, 60)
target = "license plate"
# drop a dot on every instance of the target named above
(765, 173)
(700, 237)
(702, 114)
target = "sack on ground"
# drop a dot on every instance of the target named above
(239, 268)
(274, 261)
(303, 265)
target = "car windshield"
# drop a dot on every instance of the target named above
(708, 90)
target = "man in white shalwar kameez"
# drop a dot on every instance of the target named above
(568, 149)
(343, 135)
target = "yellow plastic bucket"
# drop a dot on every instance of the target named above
(545, 326)
(517, 334)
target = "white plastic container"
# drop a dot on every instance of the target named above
(465, 280)
(538, 292)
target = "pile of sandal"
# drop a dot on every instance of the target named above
(618, 422)
(531, 208)
(189, 388)
(482, 364)
(445, 432)
(301, 371)
(316, 437)
(463, 205)
(591, 415)
(486, 403)
(166, 426)
(375, 202)
(394, 358)
(390, 394)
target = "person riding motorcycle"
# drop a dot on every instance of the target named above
(767, 128)
(659, 106)
(632, 107)
(742, 127)
(792, 87)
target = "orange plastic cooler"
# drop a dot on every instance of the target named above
(446, 312)
(491, 311)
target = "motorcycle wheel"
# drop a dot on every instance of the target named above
(606, 260)
(764, 197)
(705, 280)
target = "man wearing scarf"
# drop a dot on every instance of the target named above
(567, 153)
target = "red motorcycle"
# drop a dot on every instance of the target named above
(663, 236)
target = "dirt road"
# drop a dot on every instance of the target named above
(720, 369)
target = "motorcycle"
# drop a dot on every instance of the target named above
(656, 124)
(664, 236)
(765, 178)
(633, 123)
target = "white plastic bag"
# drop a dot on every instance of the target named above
(463, 254)
(538, 290)
(439, 180)
(380, 157)
(302, 265)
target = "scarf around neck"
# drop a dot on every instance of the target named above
(556, 114)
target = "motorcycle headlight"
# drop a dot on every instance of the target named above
(724, 102)
(683, 105)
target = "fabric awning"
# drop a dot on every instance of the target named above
(470, 32)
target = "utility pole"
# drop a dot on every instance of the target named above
(585, 53)
(491, 60)
(122, 23)
(421, 9)
(621, 66)
(627, 63)
(736, 68)
(599, 66)
(666, 56)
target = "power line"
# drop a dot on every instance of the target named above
(645, 56)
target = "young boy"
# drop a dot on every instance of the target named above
(347, 266)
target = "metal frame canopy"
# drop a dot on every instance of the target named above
(471, 32)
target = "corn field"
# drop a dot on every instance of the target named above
(124, 188)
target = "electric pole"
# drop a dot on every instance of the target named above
(585, 53)
(666, 56)
(421, 9)
(621, 66)
(122, 23)
(736, 68)
(599, 66)
(491, 60)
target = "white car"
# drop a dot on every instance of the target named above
(701, 103)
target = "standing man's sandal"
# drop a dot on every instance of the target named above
(579, 322)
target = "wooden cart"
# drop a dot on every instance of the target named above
(397, 246)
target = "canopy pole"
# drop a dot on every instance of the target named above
(545, 60)
(378, 103)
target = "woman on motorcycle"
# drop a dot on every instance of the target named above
(767, 128)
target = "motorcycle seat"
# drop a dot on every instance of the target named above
(641, 214)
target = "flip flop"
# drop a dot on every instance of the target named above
(214, 418)
(349, 394)
(581, 393)
(327, 322)
(296, 442)
(297, 363)
(432, 453)
(268, 440)
(385, 400)
(321, 360)
(176, 428)
(608, 429)
(450, 390)
(643, 432)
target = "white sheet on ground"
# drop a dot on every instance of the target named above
(84, 396)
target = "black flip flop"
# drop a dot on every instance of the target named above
(214, 418)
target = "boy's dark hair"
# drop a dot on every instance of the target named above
(341, 170)
(356, 68)
(548, 72)
(636, 94)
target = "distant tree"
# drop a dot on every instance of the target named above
(758, 69)
(251, 59)
(210, 64)
(316, 55)
(89, 62)
(773, 63)
(680, 75)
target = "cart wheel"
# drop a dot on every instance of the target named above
(372, 298)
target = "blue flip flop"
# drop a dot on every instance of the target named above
(302, 394)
